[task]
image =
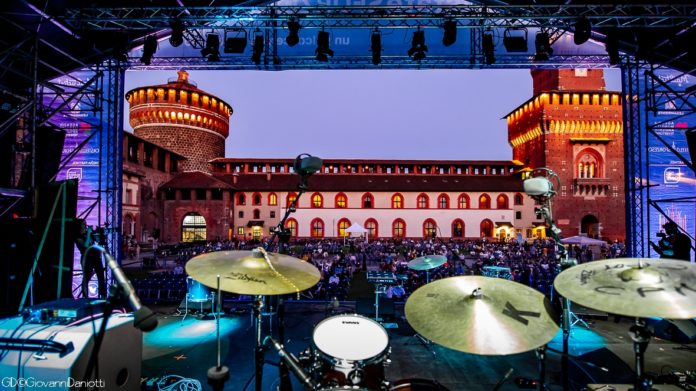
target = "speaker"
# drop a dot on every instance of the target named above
(57, 356)
(599, 366)
(17, 249)
(680, 331)
(49, 149)
(366, 307)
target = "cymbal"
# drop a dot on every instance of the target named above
(482, 315)
(638, 287)
(427, 262)
(250, 273)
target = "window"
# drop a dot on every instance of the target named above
(422, 201)
(502, 201)
(486, 229)
(463, 201)
(341, 201)
(291, 224)
(343, 225)
(443, 201)
(290, 199)
(200, 194)
(241, 214)
(240, 231)
(257, 214)
(272, 199)
(397, 201)
(398, 229)
(193, 228)
(484, 201)
(429, 228)
(216, 194)
(317, 228)
(588, 164)
(371, 227)
(256, 199)
(241, 199)
(129, 197)
(186, 194)
(273, 214)
(519, 199)
(518, 215)
(458, 228)
(317, 200)
(367, 201)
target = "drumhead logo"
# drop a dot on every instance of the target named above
(350, 322)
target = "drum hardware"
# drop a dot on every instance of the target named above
(218, 374)
(417, 385)
(426, 263)
(197, 293)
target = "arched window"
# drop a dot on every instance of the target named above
(443, 201)
(291, 224)
(241, 199)
(458, 228)
(484, 201)
(290, 199)
(422, 202)
(501, 202)
(519, 199)
(257, 214)
(343, 225)
(463, 201)
(399, 228)
(341, 201)
(429, 228)
(372, 228)
(397, 201)
(272, 199)
(588, 164)
(317, 228)
(193, 228)
(256, 199)
(368, 201)
(317, 200)
(486, 229)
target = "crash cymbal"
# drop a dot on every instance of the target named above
(482, 315)
(250, 273)
(640, 287)
(427, 262)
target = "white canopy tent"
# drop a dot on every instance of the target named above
(356, 228)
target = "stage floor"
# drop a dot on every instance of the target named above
(187, 347)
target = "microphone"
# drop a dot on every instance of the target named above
(144, 318)
(292, 363)
(306, 164)
(537, 186)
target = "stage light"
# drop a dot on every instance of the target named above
(120, 50)
(212, 47)
(149, 49)
(235, 40)
(449, 36)
(515, 39)
(583, 30)
(418, 47)
(177, 37)
(257, 48)
(543, 47)
(323, 51)
(376, 48)
(293, 37)
(488, 47)
(612, 47)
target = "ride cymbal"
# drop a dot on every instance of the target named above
(427, 262)
(250, 273)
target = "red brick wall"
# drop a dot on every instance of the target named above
(199, 146)
(566, 80)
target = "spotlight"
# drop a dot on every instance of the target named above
(583, 30)
(543, 47)
(149, 49)
(235, 40)
(376, 48)
(488, 47)
(418, 47)
(177, 37)
(120, 50)
(449, 37)
(257, 48)
(323, 50)
(293, 37)
(612, 47)
(212, 47)
(515, 39)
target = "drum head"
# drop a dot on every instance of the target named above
(350, 337)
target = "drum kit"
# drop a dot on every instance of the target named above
(471, 314)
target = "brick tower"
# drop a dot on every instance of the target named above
(182, 118)
(573, 126)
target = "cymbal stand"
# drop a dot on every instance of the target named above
(378, 290)
(541, 356)
(259, 350)
(640, 335)
(218, 375)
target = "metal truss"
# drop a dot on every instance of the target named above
(660, 15)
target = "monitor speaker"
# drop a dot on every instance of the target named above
(680, 331)
(599, 366)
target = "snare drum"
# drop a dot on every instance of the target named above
(353, 350)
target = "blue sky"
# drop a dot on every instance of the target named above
(379, 114)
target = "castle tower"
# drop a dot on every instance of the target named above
(573, 126)
(182, 118)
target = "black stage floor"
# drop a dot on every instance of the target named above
(601, 354)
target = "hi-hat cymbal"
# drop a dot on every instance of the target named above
(427, 262)
(250, 273)
(640, 287)
(482, 315)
